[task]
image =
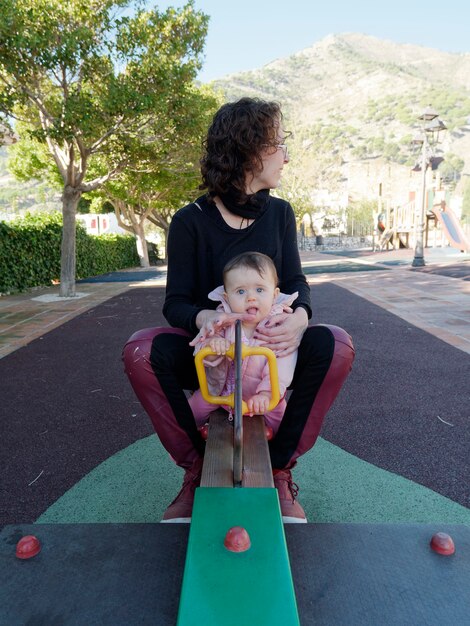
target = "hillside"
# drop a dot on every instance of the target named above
(352, 102)
(342, 74)
(16, 197)
(353, 97)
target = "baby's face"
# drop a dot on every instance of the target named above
(247, 291)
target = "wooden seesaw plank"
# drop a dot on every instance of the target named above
(218, 458)
(217, 470)
(256, 460)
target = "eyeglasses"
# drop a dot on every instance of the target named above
(278, 146)
(283, 147)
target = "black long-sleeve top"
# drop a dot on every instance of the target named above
(200, 243)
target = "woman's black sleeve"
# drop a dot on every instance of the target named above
(182, 277)
(293, 278)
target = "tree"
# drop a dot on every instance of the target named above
(310, 170)
(451, 169)
(88, 80)
(360, 216)
(165, 174)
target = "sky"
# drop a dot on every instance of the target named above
(247, 34)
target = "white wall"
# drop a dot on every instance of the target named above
(99, 224)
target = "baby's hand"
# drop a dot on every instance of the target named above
(258, 404)
(219, 345)
(211, 322)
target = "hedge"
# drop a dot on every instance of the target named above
(30, 252)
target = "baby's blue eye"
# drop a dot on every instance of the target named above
(260, 289)
(240, 292)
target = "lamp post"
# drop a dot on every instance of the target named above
(431, 126)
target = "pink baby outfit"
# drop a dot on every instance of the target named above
(255, 369)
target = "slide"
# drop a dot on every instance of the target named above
(452, 228)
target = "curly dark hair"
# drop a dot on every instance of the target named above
(238, 134)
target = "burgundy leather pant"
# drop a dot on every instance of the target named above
(160, 365)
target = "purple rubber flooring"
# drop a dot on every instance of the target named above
(67, 405)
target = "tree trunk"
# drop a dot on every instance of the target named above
(70, 199)
(166, 231)
(141, 243)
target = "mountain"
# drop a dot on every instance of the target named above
(352, 98)
(341, 74)
(352, 102)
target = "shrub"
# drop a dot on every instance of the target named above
(30, 252)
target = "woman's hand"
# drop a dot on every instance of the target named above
(283, 332)
(210, 322)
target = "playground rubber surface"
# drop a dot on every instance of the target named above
(340, 267)
(80, 448)
(343, 574)
(457, 270)
(123, 277)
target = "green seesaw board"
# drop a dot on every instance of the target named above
(223, 588)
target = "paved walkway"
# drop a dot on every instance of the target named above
(436, 303)
(27, 316)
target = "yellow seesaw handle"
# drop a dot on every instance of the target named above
(246, 351)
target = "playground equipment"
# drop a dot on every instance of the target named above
(129, 574)
(248, 502)
(397, 227)
(452, 228)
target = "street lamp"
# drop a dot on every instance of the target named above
(431, 127)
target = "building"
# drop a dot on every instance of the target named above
(100, 224)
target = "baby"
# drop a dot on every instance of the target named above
(250, 288)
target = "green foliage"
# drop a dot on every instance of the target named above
(360, 216)
(97, 204)
(89, 68)
(88, 80)
(466, 202)
(30, 159)
(453, 106)
(451, 169)
(104, 253)
(84, 205)
(20, 196)
(168, 175)
(30, 252)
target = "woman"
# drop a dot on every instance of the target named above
(245, 153)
